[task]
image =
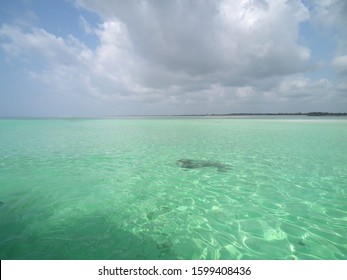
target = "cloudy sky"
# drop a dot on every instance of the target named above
(116, 57)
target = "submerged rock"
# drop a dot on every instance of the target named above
(193, 164)
(2, 203)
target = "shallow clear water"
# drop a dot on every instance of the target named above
(111, 188)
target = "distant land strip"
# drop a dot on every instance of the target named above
(310, 114)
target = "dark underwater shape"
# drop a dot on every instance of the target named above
(193, 164)
(2, 203)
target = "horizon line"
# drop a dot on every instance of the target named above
(318, 113)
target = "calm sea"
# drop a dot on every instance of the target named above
(173, 188)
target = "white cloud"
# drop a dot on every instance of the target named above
(39, 44)
(331, 13)
(208, 38)
(340, 63)
(88, 29)
(177, 56)
(332, 16)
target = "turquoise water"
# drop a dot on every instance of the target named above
(111, 188)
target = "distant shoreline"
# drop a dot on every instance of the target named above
(309, 114)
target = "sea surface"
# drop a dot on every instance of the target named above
(250, 188)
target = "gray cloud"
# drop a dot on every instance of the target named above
(182, 57)
(208, 38)
(332, 16)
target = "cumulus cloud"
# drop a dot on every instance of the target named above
(340, 63)
(332, 13)
(207, 38)
(177, 56)
(332, 16)
(39, 44)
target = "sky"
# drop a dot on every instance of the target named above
(91, 58)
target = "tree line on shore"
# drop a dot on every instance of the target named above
(311, 114)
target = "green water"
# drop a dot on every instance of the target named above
(111, 188)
